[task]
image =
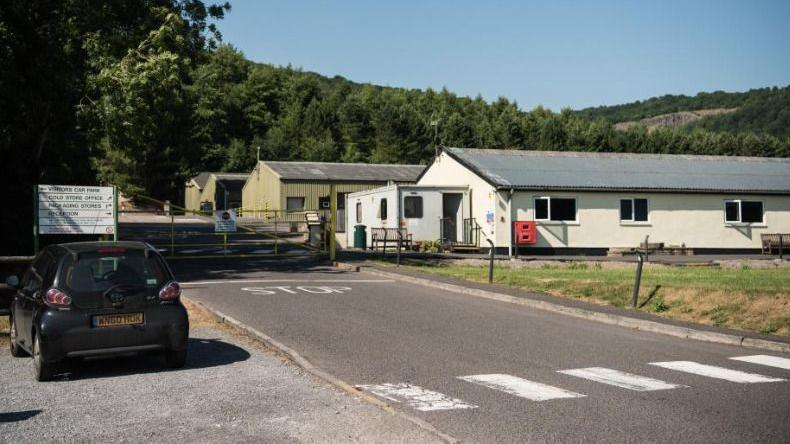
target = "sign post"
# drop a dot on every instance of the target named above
(224, 222)
(74, 209)
(115, 213)
(332, 221)
(35, 220)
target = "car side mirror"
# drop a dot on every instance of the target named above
(12, 281)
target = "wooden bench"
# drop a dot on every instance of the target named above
(384, 236)
(775, 241)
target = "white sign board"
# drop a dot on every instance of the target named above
(225, 221)
(76, 209)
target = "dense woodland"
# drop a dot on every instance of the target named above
(143, 93)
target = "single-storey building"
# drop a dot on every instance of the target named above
(592, 202)
(208, 191)
(304, 186)
(424, 213)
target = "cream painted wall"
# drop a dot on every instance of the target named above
(446, 171)
(262, 188)
(696, 220)
(191, 197)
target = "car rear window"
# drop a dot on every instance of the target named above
(98, 271)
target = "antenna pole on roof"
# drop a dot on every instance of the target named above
(435, 125)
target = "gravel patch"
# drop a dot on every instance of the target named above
(232, 389)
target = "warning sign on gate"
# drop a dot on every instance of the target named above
(225, 221)
(75, 209)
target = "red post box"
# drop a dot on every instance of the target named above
(526, 232)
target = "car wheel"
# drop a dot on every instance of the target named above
(42, 370)
(175, 358)
(16, 350)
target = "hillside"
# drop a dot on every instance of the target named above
(761, 111)
(296, 115)
(678, 119)
(147, 95)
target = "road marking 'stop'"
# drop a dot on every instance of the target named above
(513, 385)
(261, 281)
(620, 379)
(715, 372)
(772, 361)
(416, 397)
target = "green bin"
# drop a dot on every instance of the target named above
(360, 237)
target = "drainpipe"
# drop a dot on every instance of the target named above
(510, 224)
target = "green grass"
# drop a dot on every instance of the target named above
(749, 298)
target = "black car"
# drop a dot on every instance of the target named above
(97, 298)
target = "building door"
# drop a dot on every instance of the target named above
(451, 208)
(323, 205)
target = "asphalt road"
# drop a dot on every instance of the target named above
(411, 345)
(231, 390)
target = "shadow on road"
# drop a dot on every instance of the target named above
(202, 353)
(219, 268)
(18, 416)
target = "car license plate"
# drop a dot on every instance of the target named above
(118, 319)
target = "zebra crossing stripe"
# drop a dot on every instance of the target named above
(772, 361)
(715, 372)
(416, 397)
(523, 388)
(620, 379)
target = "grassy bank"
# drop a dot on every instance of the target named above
(744, 298)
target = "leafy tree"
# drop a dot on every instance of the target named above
(48, 50)
(144, 111)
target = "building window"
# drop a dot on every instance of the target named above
(359, 212)
(412, 207)
(633, 210)
(555, 209)
(743, 211)
(542, 208)
(383, 209)
(294, 203)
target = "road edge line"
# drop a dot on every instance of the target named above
(307, 366)
(605, 318)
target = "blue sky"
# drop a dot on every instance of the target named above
(551, 53)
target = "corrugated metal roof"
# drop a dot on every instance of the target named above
(232, 176)
(345, 172)
(202, 179)
(547, 170)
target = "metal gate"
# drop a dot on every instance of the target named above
(179, 233)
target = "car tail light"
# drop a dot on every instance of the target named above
(57, 298)
(170, 292)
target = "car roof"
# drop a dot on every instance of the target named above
(82, 247)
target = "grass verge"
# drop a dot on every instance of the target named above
(743, 298)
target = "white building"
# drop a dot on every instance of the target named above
(591, 202)
(427, 213)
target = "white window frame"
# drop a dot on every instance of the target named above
(740, 213)
(633, 220)
(383, 204)
(549, 221)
